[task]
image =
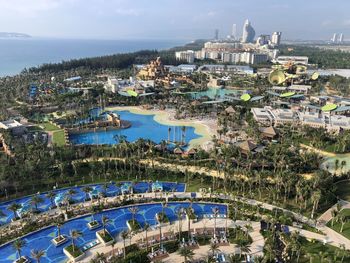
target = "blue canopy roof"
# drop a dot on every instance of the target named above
(157, 186)
(59, 198)
(126, 187)
(342, 108)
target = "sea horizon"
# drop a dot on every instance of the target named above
(16, 54)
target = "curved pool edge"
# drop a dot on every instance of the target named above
(115, 209)
(163, 117)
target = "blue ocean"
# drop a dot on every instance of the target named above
(17, 54)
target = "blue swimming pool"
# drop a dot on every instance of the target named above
(119, 217)
(214, 93)
(79, 196)
(142, 126)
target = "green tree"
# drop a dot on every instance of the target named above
(187, 253)
(18, 244)
(37, 254)
(74, 235)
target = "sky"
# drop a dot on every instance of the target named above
(173, 19)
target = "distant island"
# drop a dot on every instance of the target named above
(13, 35)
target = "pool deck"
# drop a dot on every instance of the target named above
(206, 128)
(332, 237)
(256, 246)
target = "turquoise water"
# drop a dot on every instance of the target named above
(119, 217)
(142, 126)
(214, 93)
(17, 54)
(330, 164)
(79, 196)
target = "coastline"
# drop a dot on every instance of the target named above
(206, 129)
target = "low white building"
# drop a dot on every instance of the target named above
(14, 126)
(314, 119)
(114, 85)
(295, 59)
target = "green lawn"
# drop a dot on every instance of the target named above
(58, 138)
(321, 253)
(343, 190)
(49, 127)
(337, 225)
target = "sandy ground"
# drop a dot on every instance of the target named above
(205, 128)
(320, 152)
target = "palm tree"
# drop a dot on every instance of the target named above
(214, 249)
(14, 207)
(37, 254)
(248, 228)
(315, 197)
(105, 187)
(18, 244)
(146, 228)
(100, 257)
(180, 213)
(187, 253)
(75, 234)
(70, 193)
(215, 213)
(58, 226)
(161, 219)
(189, 213)
(124, 236)
(133, 210)
(113, 244)
(35, 200)
(51, 195)
(105, 221)
(343, 221)
(244, 248)
(87, 190)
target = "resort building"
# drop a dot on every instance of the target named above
(183, 68)
(114, 85)
(263, 115)
(187, 56)
(237, 69)
(247, 147)
(268, 132)
(234, 52)
(316, 119)
(14, 126)
(295, 59)
(283, 116)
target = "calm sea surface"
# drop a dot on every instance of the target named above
(17, 54)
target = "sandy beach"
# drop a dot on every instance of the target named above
(205, 128)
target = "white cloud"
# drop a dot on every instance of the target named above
(127, 12)
(25, 6)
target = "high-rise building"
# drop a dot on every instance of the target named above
(341, 38)
(276, 38)
(188, 56)
(335, 37)
(216, 34)
(234, 32)
(248, 32)
(263, 40)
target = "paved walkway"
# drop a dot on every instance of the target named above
(327, 216)
(200, 253)
(256, 246)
